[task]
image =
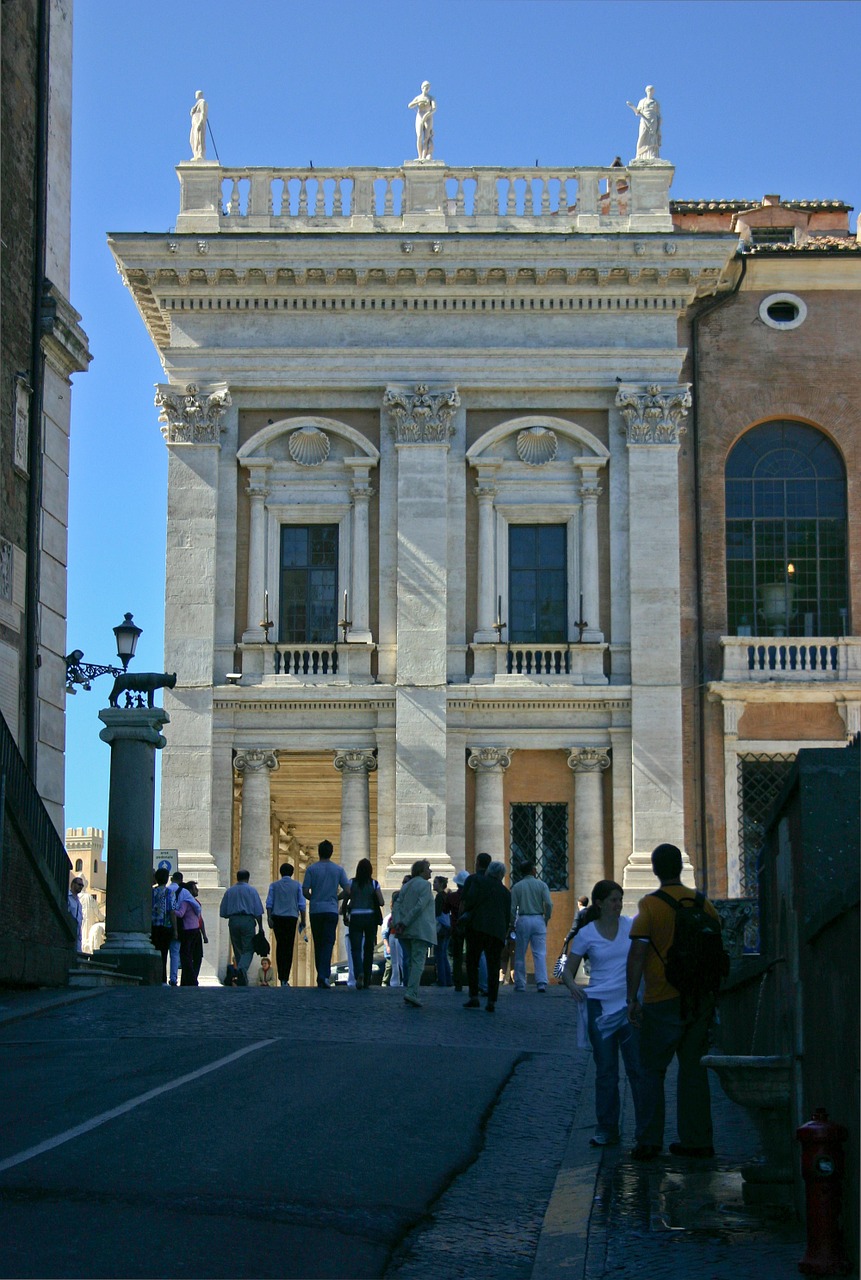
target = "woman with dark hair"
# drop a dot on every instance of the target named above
(602, 934)
(364, 900)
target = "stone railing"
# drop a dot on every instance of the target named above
(424, 197)
(540, 663)
(789, 658)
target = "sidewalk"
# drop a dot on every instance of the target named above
(674, 1218)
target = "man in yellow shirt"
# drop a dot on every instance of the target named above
(668, 1029)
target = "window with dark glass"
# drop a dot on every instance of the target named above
(786, 537)
(539, 833)
(537, 590)
(309, 584)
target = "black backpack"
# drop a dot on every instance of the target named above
(696, 962)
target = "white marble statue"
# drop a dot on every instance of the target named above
(424, 107)
(649, 137)
(197, 137)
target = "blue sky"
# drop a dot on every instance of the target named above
(756, 98)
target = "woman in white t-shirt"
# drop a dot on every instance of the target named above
(603, 936)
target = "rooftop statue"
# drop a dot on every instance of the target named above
(649, 137)
(197, 137)
(424, 107)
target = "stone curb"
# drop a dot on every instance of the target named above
(46, 1004)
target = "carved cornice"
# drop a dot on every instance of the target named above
(421, 416)
(486, 759)
(588, 759)
(653, 414)
(254, 759)
(355, 760)
(192, 415)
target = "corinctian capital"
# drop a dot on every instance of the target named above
(422, 416)
(192, 414)
(653, 414)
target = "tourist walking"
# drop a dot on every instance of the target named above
(364, 903)
(242, 909)
(453, 901)
(324, 884)
(161, 921)
(486, 911)
(602, 934)
(179, 894)
(285, 909)
(415, 925)
(531, 909)
(672, 1021)
(192, 935)
(76, 910)
(443, 931)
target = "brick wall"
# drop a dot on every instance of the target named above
(37, 943)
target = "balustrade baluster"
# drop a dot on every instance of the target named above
(545, 198)
(388, 199)
(337, 200)
(315, 198)
(233, 210)
(303, 198)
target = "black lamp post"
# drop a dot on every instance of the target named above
(83, 673)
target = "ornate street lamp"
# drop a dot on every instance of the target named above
(83, 673)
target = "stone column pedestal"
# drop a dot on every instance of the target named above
(134, 737)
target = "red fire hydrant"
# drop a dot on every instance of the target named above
(822, 1165)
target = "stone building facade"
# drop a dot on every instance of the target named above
(445, 557)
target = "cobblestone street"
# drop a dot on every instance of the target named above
(342, 1134)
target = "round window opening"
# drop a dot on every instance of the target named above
(782, 311)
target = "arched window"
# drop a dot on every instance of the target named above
(79, 864)
(786, 562)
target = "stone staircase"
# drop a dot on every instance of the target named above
(90, 972)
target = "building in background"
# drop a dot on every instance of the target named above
(451, 563)
(41, 346)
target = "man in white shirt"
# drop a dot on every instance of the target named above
(531, 909)
(285, 907)
(242, 909)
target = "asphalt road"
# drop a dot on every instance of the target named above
(243, 1133)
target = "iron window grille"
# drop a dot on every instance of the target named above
(539, 834)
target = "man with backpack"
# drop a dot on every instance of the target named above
(676, 946)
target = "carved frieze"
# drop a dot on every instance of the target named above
(422, 416)
(653, 414)
(192, 415)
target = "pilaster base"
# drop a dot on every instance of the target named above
(639, 879)
(129, 957)
(401, 865)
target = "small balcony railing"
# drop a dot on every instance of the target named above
(540, 663)
(308, 664)
(805, 658)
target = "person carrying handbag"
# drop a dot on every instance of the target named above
(363, 911)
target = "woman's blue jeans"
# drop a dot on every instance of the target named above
(443, 968)
(605, 1051)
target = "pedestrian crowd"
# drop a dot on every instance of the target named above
(653, 978)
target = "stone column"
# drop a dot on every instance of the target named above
(587, 764)
(361, 493)
(422, 423)
(489, 765)
(134, 737)
(258, 491)
(255, 831)
(485, 491)
(354, 766)
(653, 423)
(590, 491)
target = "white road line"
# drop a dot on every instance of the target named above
(80, 1129)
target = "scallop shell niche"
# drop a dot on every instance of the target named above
(536, 446)
(309, 446)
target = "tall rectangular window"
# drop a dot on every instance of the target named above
(309, 584)
(539, 833)
(537, 584)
